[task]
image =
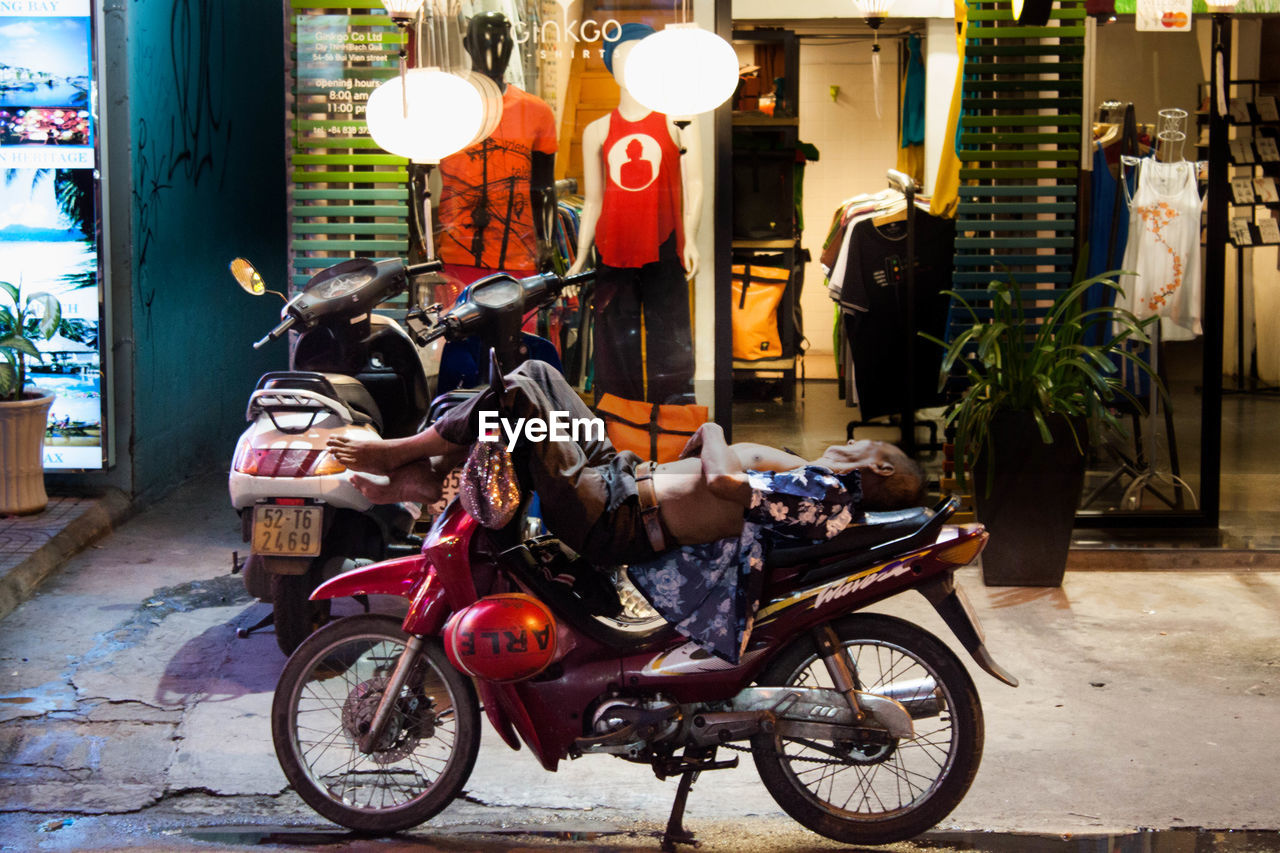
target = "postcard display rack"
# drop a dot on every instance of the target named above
(1253, 114)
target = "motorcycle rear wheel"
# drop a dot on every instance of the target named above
(294, 615)
(329, 690)
(876, 792)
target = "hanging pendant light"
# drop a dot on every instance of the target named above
(402, 10)
(681, 71)
(875, 13)
(425, 114)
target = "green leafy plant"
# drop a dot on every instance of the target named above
(1044, 366)
(35, 318)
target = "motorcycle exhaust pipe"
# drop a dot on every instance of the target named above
(921, 696)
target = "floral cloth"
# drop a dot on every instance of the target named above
(710, 592)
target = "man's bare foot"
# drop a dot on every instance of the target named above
(416, 482)
(372, 456)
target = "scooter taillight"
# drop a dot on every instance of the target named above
(287, 462)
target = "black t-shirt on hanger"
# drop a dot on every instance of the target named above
(873, 320)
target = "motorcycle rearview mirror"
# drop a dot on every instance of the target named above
(250, 280)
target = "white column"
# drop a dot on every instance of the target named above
(941, 60)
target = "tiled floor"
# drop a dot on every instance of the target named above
(1250, 506)
(22, 535)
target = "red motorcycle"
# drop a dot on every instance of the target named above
(864, 728)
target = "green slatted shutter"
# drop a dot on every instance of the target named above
(348, 198)
(1022, 112)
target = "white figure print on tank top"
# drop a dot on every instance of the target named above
(1164, 249)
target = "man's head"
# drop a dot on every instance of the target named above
(890, 478)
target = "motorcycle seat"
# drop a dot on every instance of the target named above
(356, 397)
(338, 386)
(876, 528)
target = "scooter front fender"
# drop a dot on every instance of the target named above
(400, 576)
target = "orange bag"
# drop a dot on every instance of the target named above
(652, 431)
(757, 290)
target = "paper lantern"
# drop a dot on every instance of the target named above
(681, 71)
(425, 114)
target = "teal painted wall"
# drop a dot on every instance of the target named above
(206, 106)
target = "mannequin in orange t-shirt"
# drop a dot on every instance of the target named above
(497, 198)
(642, 194)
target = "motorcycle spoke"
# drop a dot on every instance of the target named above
(358, 779)
(854, 780)
(818, 747)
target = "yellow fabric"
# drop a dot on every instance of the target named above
(946, 192)
(757, 290)
(911, 162)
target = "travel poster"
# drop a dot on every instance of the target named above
(49, 227)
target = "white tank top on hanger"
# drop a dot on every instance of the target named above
(1164, 249)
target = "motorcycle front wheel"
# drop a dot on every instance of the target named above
(875, 789)
(326, 698)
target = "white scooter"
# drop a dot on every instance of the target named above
(354, 372)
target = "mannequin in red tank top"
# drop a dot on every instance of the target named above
(641, 204)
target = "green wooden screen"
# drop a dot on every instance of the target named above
(348, 198)
(1020, 131)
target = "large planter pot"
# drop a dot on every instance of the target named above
(22, 426)
(1032, 504)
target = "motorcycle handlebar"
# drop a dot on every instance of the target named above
(284, 326)
(578, 279)
(433, 265)
(461, 321)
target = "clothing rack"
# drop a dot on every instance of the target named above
(906, 419)
(1141, 467)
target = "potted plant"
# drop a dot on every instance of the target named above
(1037, 384)
(23, 412)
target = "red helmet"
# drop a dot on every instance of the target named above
(507, 637)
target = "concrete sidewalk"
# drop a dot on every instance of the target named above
(129, 707)
(32, 547)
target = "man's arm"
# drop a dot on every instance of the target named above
(722, 471)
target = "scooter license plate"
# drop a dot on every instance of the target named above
(289, 531)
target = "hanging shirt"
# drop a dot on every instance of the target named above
(710, 592)
(642, 191)
(486, 203)
(1164, 249)
(875, 324)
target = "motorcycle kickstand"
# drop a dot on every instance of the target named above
(675, 832)
(243, 633)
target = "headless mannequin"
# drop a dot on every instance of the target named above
(489, 43)
(624, 293)
(593, 137)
